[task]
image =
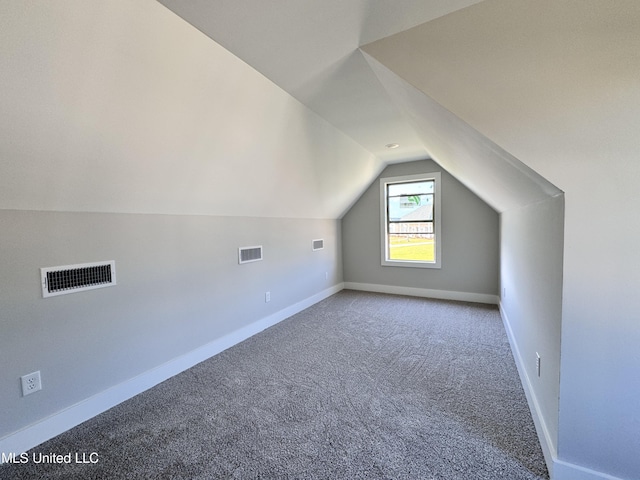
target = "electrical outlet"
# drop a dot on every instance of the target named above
(504, 293)
(31, 383)
(267, 297)
(326, 275)
(538, 363)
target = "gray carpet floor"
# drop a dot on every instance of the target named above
(360, 385)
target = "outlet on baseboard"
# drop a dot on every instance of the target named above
(267, 297)
(31, 383)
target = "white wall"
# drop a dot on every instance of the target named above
(554, 84)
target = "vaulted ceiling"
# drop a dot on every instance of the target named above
(310, 49)
(475, 84)
(498, 92)
(324, 54)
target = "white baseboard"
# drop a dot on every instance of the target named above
(570, 471)
(37, 433)
(558, 469)
(423, 292)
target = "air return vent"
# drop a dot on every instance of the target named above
(249, 254)
(77, 278)
(317, 244)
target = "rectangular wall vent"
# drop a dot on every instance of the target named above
(77, 278)
(249, 254)
(318, 244)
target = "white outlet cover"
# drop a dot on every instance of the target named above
(31, 383)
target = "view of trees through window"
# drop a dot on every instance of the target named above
(410, 228)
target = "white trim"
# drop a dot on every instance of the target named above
(43, 430)
(437, 217)
(570, 471)
(424, 292)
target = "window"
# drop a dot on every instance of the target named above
(410, 220)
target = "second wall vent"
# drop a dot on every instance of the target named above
(317, 244)
(77, 278)
(249, 254)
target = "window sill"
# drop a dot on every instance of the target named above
(410, 264)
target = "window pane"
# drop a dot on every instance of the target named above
(416, 246)
(410, 221)
(411, 208)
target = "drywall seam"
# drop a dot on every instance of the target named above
(423, 292)
(39, 432)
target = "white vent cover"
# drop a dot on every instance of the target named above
(317, 244)
(249, 254)
(77, 278)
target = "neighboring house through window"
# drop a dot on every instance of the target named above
(410, 220)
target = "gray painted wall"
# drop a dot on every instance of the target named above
(531, 245)
(470, 248)
(179, 287)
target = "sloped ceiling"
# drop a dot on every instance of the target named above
(310, 49)
(130, 94)
(496, 176)
(125, 107)
(314, 51)
(551, 83)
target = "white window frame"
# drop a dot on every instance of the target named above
(437, 221)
